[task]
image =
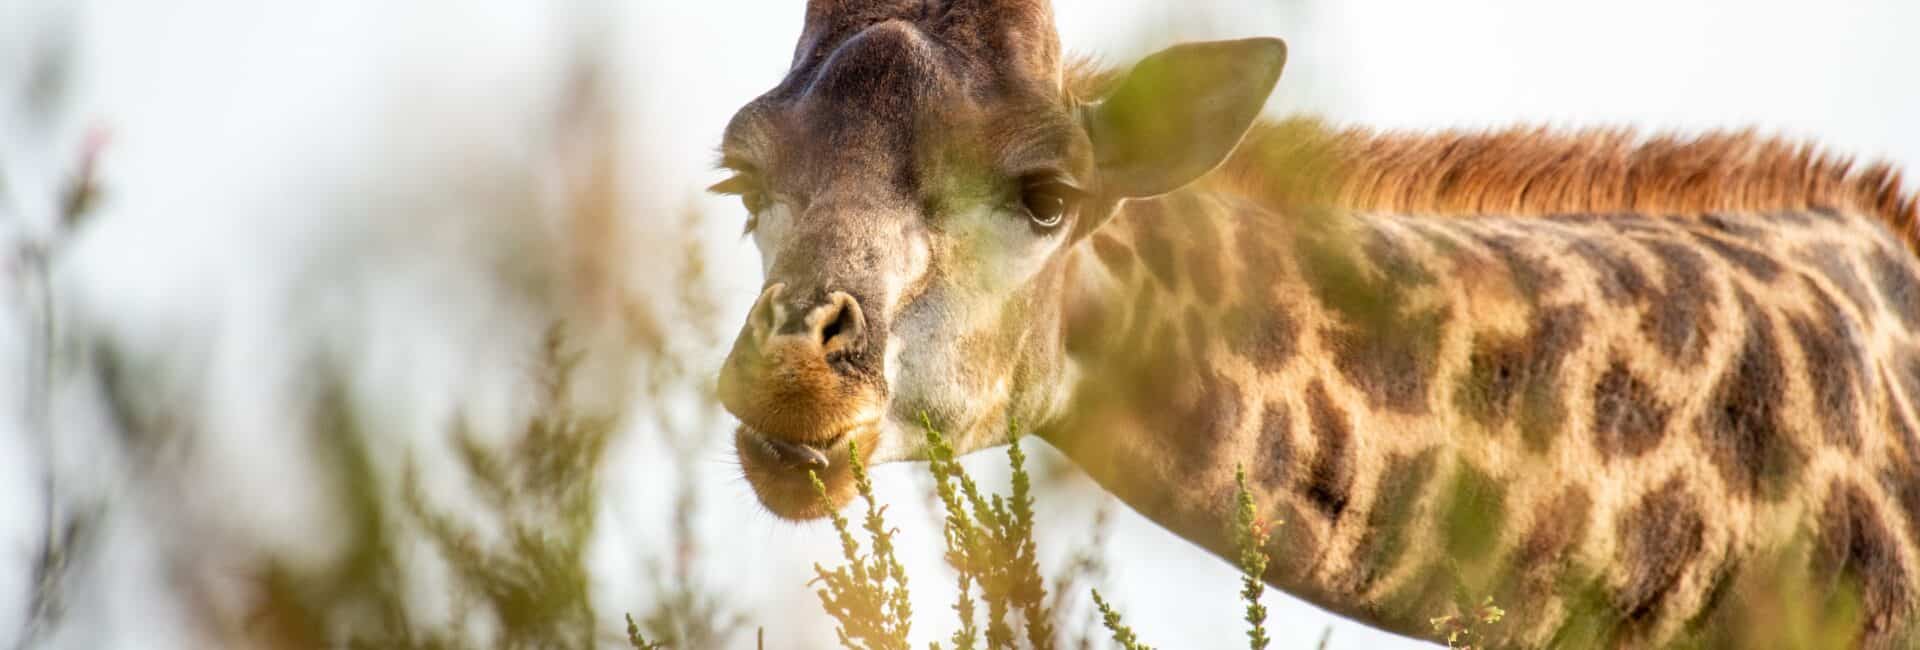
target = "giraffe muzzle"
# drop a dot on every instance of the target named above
(802, 369)
(802, 380)
(782, 472)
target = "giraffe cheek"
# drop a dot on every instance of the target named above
(941, 378)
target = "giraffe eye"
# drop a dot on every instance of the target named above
(1047, 202)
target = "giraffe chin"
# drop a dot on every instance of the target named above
(778, 470)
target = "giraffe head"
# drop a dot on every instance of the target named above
(914, 184)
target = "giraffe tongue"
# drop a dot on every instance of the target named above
(797, 456)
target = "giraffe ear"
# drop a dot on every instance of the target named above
(1179, 113)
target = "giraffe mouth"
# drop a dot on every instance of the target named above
(797, 456)
(782, 471)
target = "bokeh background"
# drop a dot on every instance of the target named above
(401, 197)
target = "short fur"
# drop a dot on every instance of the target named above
(1617, 383)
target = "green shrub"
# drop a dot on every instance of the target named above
(868, 596)
(989, 543)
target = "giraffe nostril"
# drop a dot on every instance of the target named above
(841, 323)
(764, 319)
(834, 327)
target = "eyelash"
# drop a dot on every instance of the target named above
(751, 197)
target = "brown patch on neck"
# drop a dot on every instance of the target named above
(1532, 171)
(1661, 536)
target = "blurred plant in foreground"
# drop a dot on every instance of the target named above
(1463, 630)
(1249, 533)
(685, 612)
(1122, 634)
(1088, 564)
(523, 584)
(639, 641)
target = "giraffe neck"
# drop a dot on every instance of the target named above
(1584, 413)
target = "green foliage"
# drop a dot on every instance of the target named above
(1249, 534)
(1463, 630)
(990, 546)
(1122, 634)
(514, 566)
(1088, 564)
(868, 596)
(685, 612)
(535, 582)
(640, 642)
(537, 578)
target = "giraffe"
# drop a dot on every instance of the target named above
(1604, 377)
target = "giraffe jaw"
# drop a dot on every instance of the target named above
(779, 469)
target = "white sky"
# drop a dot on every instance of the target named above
(250, 137)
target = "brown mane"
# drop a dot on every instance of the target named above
(1531, 171)
(1538, 171)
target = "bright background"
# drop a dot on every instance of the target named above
(262, 149)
